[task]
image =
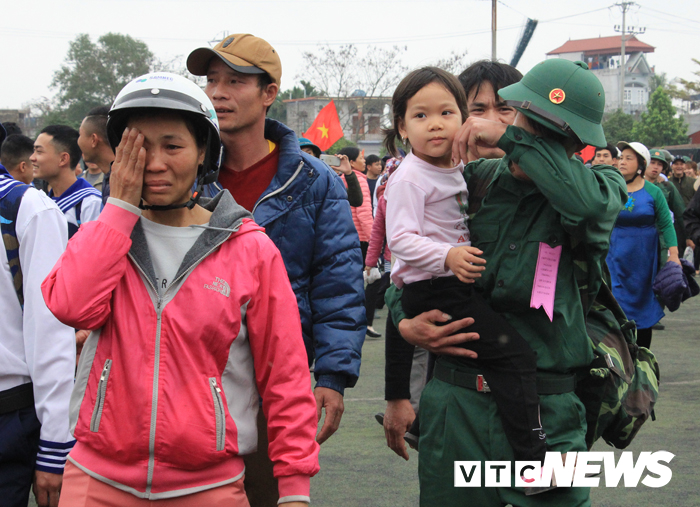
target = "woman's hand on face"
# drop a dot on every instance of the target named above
(126, 179)
(344, 167)
(478, 138)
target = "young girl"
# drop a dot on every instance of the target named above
(427, 231)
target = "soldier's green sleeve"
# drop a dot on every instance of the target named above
(589, 199)
(392, 298)
(478, 175)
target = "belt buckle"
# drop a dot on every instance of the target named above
(481, 385)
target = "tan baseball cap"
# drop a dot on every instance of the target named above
(242, 52)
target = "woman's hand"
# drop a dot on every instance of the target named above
(344, 167)
(463, 260)
(423, 331)
(673, 255)
(126, 179)
(478, 138)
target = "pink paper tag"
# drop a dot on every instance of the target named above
(545, 284)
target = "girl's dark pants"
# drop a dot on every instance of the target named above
(508, 363)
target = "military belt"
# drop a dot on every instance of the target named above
(550, 383)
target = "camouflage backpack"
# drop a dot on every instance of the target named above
(620, 387)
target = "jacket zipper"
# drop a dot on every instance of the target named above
(156, 361)
(100, 400)
(219, 413)
(282, 188)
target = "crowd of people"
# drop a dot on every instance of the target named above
(232, 261)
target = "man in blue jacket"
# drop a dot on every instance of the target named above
(303, 206)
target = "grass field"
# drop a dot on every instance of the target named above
(359, 470)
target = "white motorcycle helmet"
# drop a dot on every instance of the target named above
(638, 148)
(163, 90)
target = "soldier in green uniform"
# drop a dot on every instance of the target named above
(541, 206)
(657, 166)
(683, 183)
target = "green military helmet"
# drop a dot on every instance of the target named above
(660, 155)
(665, 153)
(563, 96)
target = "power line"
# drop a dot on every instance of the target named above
(670, 19)
(396, 40)
(512, 9)
(390, 40)
(573, 15)
(671, 15)
(65, 35)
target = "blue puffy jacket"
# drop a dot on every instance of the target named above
(305, 212)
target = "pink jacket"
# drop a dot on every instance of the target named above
(378, 237)
(166, 394)
(362, 215)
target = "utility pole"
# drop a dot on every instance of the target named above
(493, 30)
(624, 6)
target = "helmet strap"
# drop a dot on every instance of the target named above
(538, 111)
(163, 208)
(198, 189)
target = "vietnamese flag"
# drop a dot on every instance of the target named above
(587, 153)
(326, 129)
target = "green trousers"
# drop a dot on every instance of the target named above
(460, 424)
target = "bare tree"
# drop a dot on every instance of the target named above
(332, 71)
(381, 70)
(454, 64)
(365, 79)
(364, 82)
(690, 90)
(177, 65)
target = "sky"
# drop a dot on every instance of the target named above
(34, 34)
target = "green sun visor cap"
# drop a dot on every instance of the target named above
(658, 154)
(563, 96)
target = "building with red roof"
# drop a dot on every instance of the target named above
(602, 54)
